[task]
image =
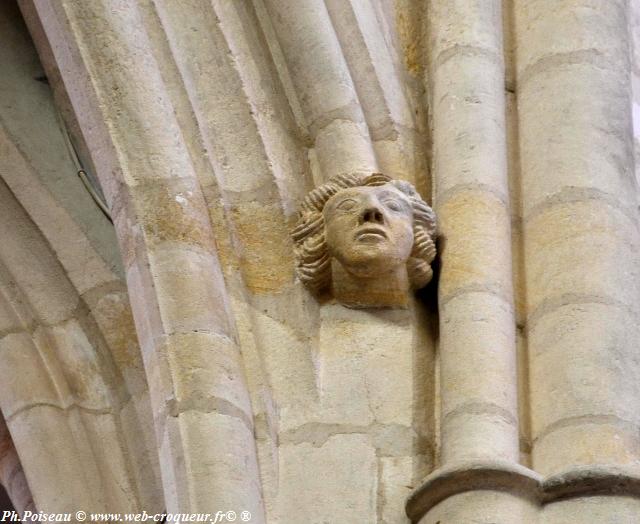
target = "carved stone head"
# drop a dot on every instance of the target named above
(368, 238)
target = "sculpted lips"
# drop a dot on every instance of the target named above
(371, 233)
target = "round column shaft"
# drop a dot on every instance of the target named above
(477, 325)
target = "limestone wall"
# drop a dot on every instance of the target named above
(166, 357)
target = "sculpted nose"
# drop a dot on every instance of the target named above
(371, 214)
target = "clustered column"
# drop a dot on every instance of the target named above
(323, 83)
(580, 232)
(479, 418)
(202, 413)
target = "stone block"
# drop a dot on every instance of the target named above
(343, 469)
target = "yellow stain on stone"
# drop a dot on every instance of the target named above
(475, 243)
(223, 240)
(266, 248)
(222, 232)
(113, 315)
(408, 26)
(175, 211)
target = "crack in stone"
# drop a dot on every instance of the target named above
(446, 195)
(488, 289)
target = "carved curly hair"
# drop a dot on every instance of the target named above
(313, 262)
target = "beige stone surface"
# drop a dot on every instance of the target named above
(579, 197)
(343, 460)
(200, 434)
(60, 476)
(173, 360)
(609, 510)
(354, 352)
(25, 379)
(478, 374)
(483, 507)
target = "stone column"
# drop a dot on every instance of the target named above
(324, 86)
(477, 340)
(202, 414)
(479, 440)
(373, 62)
(581, 246)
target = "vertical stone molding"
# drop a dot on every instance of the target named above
(580, 237)
(370, 51)
(335, 123)
(479, 417)
(202, 413)
(478, 375)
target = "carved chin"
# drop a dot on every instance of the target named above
(371, 261)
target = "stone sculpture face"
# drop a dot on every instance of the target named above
(369, 230)
(367, 238)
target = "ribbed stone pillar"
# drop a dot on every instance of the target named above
(477, 340)
(202, 414)
(581, 242)
(478, 376)
(324, 86)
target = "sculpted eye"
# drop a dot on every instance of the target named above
(347, 205)
(394, 205)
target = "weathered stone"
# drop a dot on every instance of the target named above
(367, 238)
(174, 362)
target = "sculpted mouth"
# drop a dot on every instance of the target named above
(371, 233)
